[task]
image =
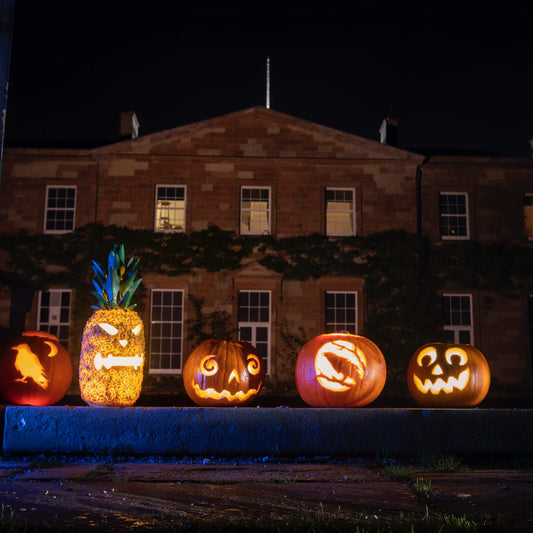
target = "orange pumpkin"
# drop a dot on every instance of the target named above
(35, 369)
(223, 373)
(448, 375)
(340, 370)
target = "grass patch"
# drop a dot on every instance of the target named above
(399, 472)
(97, 472)
(445, 463)
(422, 488)
(10, 522)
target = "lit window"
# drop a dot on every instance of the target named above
(166, 331)
(457, 318)
(340, 212)
(254, 321)
(60, 209)
(170, 208)
(341, 312)
(453, 211)
(255, 210)
(528, 215)
(54, 314)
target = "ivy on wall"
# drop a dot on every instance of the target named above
(403, 273)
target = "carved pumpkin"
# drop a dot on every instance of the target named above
(223, 373)
(340, 370)
(35, 369)
(112, 358)
(112, 348)
(448, 375)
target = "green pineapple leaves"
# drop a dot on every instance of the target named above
(115, 289)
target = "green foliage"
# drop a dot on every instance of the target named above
(403, 274)
(115, 289)
(216, 325)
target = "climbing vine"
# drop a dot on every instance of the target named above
(403, 273)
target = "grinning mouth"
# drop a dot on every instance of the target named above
(443, 386)
(224, 394)
(117, 360)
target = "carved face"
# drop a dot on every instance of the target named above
(112, 358)
(223, 373)
(448, 375)
(35, 369)
(340, 370)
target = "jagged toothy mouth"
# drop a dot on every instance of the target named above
(440, 385)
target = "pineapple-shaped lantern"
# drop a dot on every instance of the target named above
(112, 348)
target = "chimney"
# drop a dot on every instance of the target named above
(388, 132)
(129, 125)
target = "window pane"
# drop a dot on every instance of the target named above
(341, 312)
(453, 215)
(255, 210)
(166, 326)
(170, 208)
(340, 212)
(60, 209)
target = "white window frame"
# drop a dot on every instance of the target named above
(458, 328)
(153, 322)
(54, 322)
(466, 216)
(352, 212)
(268, 231)
(258, 324)
(334, 326)
(527, 216)
(48, 210)
(158, 210)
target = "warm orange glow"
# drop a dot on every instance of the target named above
(328, 376)
(213, 394)
(427, 357)
(112, 358)
(28, 364)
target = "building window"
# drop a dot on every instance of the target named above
(457, 318)
(60, 209)
(254, 321)
(341, 312)
(340, 212)
(166, 331)
(453, 212)
(54, 314)
(528, 215)
(255, 210)
(170, 208)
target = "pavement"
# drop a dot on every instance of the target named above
(45, 493)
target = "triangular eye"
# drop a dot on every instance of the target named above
(108, 328)
(136, 330)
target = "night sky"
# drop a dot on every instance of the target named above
(457, 78)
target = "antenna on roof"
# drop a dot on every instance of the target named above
(268, 83)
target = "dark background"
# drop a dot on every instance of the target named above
(458, 76)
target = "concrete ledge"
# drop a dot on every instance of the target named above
(266, 431)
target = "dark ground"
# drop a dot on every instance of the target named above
(264, 494)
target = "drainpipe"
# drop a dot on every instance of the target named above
(418, 186)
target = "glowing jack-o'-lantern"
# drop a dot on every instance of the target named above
(340, 370)
(35, 369)
(448, 375)
(223, 373)
(112, 349)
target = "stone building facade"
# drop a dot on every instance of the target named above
(260, 173)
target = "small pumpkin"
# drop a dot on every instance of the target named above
(223, 373)
(448, 375)
(35, 369)
(340, 370)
